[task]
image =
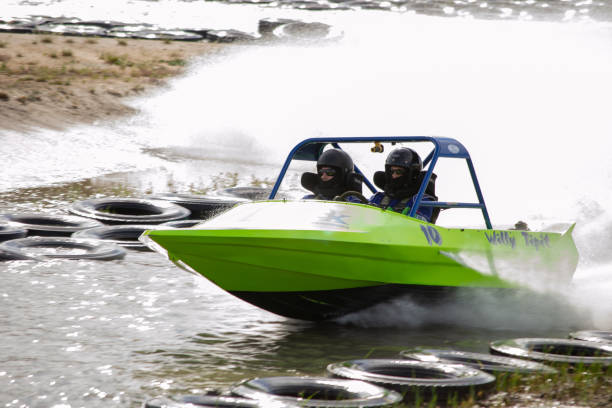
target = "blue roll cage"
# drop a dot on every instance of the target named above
(311, 149)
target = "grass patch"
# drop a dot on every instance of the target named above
(178, 62)
(67, 53)
(91, 41)
(69, 41)
(123, 43)
(46, 40)
(4, 97)
(118, 60)
(3, 44)
(582, 386)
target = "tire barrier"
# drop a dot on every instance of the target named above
(51, 225)
(200, 206)
(123, 235)
(191, 401)
(316, 392)
(40, 248)
(249, 193)
(572, 352)
(11, 231)
(130, 210)
(70, 29)
(485, 362)
(115, 29)
(416, 379)
(598, 336)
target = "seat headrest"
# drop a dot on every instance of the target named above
(379, 179)
(354, 182)
(309, 181)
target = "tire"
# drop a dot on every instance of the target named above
(416, 379)
(572, 352)
(305, 392)
(8, 254)
(598, 336)
(227, 36)
(485, 362)
(265, 26)
(123, 235)
(130, 210)
(201, 206)
(307, 32)
(32, 246)
(11, 231)
(51, 225)
(192, 401)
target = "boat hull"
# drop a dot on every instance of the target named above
(317, 260)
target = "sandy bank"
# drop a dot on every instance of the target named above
(55, 81)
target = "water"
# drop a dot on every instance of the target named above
(528, 97)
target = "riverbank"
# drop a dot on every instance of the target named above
(55, 81)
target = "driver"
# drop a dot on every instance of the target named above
(401, 184)
(335, 176)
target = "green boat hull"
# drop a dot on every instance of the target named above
(317, 260)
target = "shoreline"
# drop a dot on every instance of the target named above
(53, 81)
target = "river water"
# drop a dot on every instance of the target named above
(526, 90)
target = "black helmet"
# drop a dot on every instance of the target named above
(342, 181)
(406, 185)
(405, 157)
(338, 159)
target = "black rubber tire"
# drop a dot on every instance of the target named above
(303, 392)
(130, 210)
(11, 231)
(300, 32)
(99, 251)
(123, 235)
(201, 206)
(49, 225)
(212, 401)
(8, 254)
(267, 25)
(181, 223)
(598, 336)
(558, 351)
(416, 379)
(485, 362)
(227, 36)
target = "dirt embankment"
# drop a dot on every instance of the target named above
(55, 81)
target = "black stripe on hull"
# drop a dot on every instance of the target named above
(330, 304)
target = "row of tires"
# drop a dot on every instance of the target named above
(101, 228)
(269, 29)
(443, 376)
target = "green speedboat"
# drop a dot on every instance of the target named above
(317, 260)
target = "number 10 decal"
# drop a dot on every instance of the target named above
(432, 235)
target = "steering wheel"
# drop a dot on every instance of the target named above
(351, 193)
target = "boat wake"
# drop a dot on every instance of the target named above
(488, 310)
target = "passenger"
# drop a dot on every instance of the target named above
(335, 176)
(400, 183)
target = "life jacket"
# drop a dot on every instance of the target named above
(403, 206)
